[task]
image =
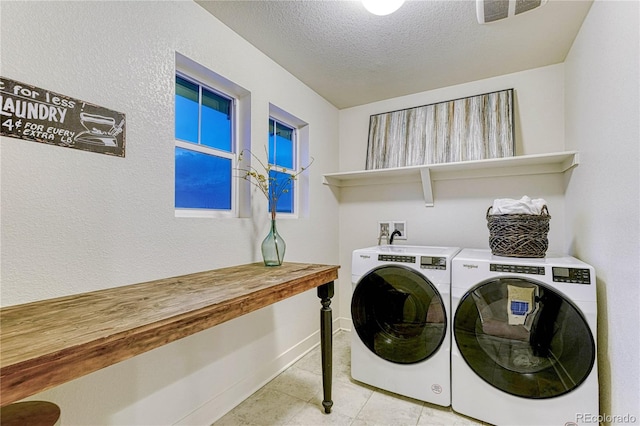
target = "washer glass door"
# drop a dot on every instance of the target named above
(398, 314)
(524, 338)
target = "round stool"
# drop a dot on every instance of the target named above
(30, 413)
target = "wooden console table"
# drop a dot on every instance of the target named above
(44, 344)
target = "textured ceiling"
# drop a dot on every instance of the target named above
(352, 57)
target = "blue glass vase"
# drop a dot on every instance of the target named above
(273, 247)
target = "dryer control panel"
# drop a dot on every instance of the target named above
(571, 275)
(517, 269)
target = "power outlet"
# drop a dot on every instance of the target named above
(400, 226)
(384, 229)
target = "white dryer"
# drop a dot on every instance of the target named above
(400, 309)
(524, 339)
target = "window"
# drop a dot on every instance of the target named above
(282, 159)
(288, 155)
(205, 148)
(212, 124)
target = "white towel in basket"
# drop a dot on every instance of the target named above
(524, 205)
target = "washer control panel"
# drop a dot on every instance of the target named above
(517, 269)
(431, 262)
(396, 258)
(571, 275)
(426, 262)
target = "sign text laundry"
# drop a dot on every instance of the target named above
(40, 115)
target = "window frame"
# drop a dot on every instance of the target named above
(302, 159)
(208, 150)
(290, 171)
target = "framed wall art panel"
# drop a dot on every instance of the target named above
(473, 128)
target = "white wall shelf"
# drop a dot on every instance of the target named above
(558, 162)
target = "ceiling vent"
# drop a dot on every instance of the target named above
(495, 10)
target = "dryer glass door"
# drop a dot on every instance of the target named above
(398, 314)
(524, 338)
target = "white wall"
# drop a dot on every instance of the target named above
(458, 217)
(602, 201)
(539, 112)
(74, 221)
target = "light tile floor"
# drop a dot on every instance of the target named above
(295, 398)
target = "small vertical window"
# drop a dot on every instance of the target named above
(283, 165)
(204, 152)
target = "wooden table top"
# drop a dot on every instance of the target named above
(46, 343)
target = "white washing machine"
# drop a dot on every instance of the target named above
(400, 309)
(524, 339)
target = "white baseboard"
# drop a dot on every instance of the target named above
(345, 324)
(228, 399)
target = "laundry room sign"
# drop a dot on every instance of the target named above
(40, 115)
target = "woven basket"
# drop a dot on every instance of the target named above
(518, 235)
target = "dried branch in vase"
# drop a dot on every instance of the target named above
(260, 177)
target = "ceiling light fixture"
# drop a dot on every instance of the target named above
(382, 7)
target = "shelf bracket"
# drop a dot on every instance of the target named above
(427, 188)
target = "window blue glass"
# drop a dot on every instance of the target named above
(282, 160)
(203, 176)
(281, 145)
(186, 110)
(282, 185)
(216, 121)
(202, 181)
